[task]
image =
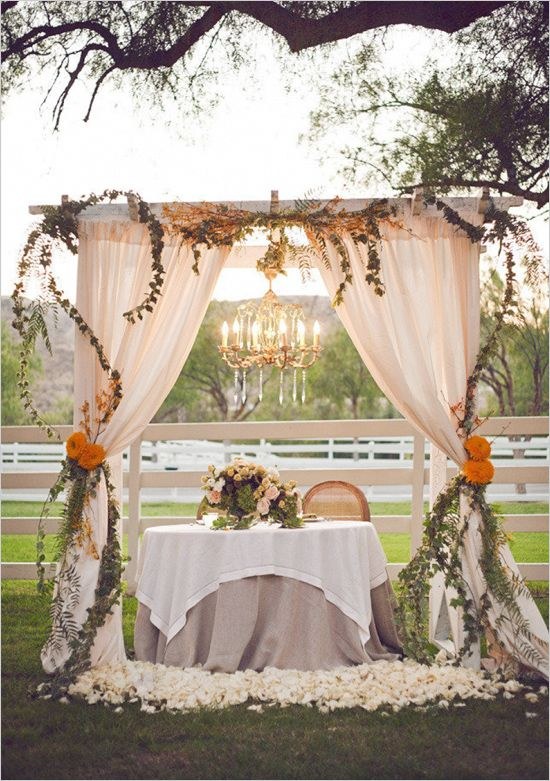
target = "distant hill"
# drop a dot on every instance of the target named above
(56, 384)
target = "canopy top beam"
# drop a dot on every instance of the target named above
(410, 205)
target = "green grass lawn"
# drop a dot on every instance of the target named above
(527, 547)
(42, 739)
(13, 509)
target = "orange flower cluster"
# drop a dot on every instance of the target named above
(478, 448)
(88, 455)
(478, 469)
(480, 472)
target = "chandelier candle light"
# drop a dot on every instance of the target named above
(269, 333)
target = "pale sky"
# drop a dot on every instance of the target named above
(244, 148)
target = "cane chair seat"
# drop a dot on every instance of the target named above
(337, 500)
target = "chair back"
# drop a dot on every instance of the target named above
(338, 500)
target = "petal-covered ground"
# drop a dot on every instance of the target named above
(391, 685)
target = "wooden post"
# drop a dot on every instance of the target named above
(274, 208)
(417, 201)
(417, 509)
(133, 208)
(134, 515)
(483, 201)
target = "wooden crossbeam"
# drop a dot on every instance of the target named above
(119, 211)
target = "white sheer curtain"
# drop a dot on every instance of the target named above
(113, 276)
(419, 341)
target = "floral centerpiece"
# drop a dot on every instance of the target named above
(244, 493)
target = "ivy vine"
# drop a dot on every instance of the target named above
(74, 539)
(59, 227)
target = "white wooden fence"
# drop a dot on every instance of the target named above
(331, 452)
(368, 469)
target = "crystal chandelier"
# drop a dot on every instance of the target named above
(269, 333)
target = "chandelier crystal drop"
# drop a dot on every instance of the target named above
(269, 333)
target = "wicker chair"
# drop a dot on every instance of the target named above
(337, 500)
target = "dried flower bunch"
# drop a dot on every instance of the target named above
(246, 493)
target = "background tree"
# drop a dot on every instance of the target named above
(477, 116)
(205, 388)
(166, 46)
(341, 378)
(13, 412)
(518, 375)
(338, 385)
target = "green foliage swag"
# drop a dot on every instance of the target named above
(219, 226)
(211, 225)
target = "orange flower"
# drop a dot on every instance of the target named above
(91, 456)
(480, 472)
(75, 443)
(478, 448)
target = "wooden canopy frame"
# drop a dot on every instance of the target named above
(247, 255)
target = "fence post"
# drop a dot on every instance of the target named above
(134, 515)
(417, 508)
(226, 451)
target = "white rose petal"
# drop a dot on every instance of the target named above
(390, 685)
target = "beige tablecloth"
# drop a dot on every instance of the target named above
(270, 621)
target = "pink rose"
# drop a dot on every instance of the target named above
(213, 497)
(272, 492)
(263, 506)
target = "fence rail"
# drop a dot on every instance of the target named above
(367, 452)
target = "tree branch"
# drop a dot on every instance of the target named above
(19, 45)
(168, 57)
(300, 32)
(303, 33)
(509, 187)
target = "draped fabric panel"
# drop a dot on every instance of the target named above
(113, 276)
(420, 339)
(419, 342)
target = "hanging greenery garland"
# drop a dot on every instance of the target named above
(214, 225)
(217, 225)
